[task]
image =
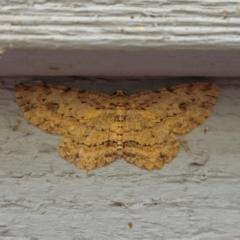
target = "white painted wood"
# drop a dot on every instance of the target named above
(197, 196)
(120, 38)
(124, 25)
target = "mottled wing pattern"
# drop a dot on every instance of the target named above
(98, 128)
(93, 144)
(146, 143)
(59, 109)
(179, 109)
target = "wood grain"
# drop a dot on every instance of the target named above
(43, 197)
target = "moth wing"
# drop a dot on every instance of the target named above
(58, 109)
(146, 143)
(93, 144)
(179, 109)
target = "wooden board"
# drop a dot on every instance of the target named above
(194, 197)
(120, 38)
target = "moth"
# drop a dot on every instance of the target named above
(98, 128)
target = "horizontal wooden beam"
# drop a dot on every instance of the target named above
(127, 25)
(139, 37)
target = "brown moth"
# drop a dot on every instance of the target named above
(98, 128)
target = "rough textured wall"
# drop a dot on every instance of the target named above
(196, 197)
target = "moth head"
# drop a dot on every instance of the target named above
(118, 93)
(119, 98)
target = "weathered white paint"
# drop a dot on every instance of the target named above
(44, 197)
(124, 25)
(113, 38)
